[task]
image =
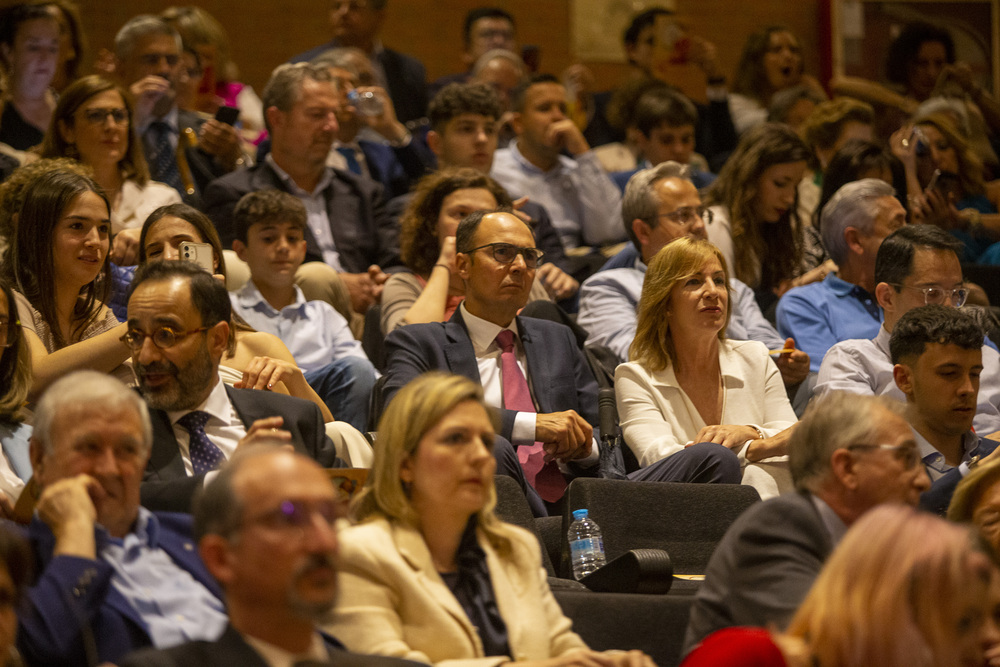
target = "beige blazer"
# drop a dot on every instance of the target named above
(393, 602)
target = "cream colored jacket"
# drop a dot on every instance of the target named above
(393, 602)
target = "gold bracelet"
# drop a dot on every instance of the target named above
(760, 433)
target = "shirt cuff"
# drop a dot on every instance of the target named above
(523, 432)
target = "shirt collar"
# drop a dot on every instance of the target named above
(250, 297)
(275, 656)
(839, 286)
(834, 525)
(523, 163)
(324, 182)
(482, 332)
(145, 530)
(170, 118)
(217, 404)
(935, 459)
(639, 265)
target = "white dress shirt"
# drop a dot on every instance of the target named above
(225, 428)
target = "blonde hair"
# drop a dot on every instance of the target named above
(414, 411)
(970, 166)
(970, 491)
(653, 345)
(891, 591)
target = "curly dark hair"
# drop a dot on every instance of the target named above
(905, 47)
(751, 79)
(459, 98)
(418, 239)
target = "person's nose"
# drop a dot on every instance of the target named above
(969, 386)
(321, 535)
(922, 481)
(93, 236)
(105, 462)
(519, 264)
(171, 253)
(147, 352)
(331, 124)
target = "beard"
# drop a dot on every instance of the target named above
(186, 385)
(317, 611)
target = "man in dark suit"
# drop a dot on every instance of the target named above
(357, 23)
(937, 354)
(266, 531)
(183, 148)
(348, 228)
(848, 454)
(112, 576)
(178, 329)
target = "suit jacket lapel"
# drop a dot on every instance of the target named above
(539, 370)
(165, 460)
(458, 351)
(414, 551)
(508, 589)
(263, 177)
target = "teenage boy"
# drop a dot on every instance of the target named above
(270, 237)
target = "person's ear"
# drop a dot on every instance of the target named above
(66, 132)
(406, 470)
(902, 374)
(515, 123)
(463, 265)
(884, 295)
(852, 236)
(434, 142)
(642, 232)
(36, 452)
(218, 339)
(275, 116)
(217, 557)
(240, 248)
(843, 468)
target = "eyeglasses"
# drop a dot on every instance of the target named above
(153, 59)
(8, 332)
(163, 337)
(505, 253)
(97, 116)
(295, 516)
(687, 216)
(908, 454)
(940, 296)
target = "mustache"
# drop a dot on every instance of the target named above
(157, 367)
(315, 562)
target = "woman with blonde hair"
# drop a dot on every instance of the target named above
(902, 589)
(429, 573)
(688, 388)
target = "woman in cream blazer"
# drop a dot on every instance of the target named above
(430, 574)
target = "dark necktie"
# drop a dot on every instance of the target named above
(162, 161)
(352, 160)
(205, 454)
(545, 477)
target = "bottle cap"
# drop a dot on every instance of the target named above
(580, 514)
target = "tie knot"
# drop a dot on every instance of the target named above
(194, 420)
(505, 339)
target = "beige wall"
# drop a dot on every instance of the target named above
(265, 33)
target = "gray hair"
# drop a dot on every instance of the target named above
(139, 27)
(87, 389)
(493, 54)
(284, 88)
(853, 205)
(833, 422)
(342, 57)
(639, 200)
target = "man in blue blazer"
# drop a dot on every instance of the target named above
(937, 354)
(113, 576)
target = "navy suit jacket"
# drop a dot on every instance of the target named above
(396, 168)
(166, 485)
(762, 568)
(73, 600)
(362, 229)
(560, 377)
(937, 498)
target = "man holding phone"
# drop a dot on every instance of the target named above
(183, 149)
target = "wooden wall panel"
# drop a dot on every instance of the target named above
(266, 32)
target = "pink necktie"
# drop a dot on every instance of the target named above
(545, 477)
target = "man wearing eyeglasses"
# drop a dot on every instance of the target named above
(266, 530)
(113, 576)
(848, 454)
(916, 265)
(530, 369)
(178, 331)
(938, 357)
(843, 306)
(661, 204)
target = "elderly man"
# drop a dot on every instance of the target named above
(576, 191)
(148, 63)
(529, 368)
(178, 331)
(661, 205)
(348, 228)
(266, 531)
(938, 357)
(357, 23)
(114, 577)
(853, 224)
(916, 265)
(848, 454)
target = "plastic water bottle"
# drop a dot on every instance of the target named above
(367, 103)
(586, 546)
